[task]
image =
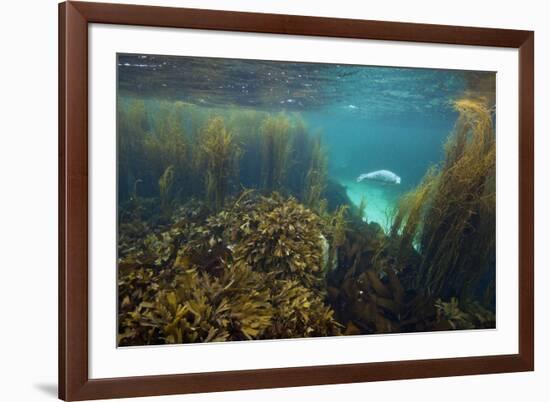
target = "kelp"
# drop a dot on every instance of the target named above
(132, 127)
(282, 237)
(200, 308)
(214, 152)
(300, 154)
(408, 220)
(220, 154)
(149, 140)
(315, 180)
(165, 190)
(165, 145)
(236, 233)
(362, 209)
(247, 124)
(449, 315)
(450, 216)
(275, 152)
(335, 226)
(299, 312)
(441, 242)
(195, 280)
(338, 225)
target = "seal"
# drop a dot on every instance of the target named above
(380, 176)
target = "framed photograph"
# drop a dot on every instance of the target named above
(258, 200)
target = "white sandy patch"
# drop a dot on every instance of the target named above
(381, 200)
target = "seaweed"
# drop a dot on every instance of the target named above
(247, 124)
(458, 239)
(450, 216)
(299, 312)
(197, 281)
(214, 151)
(362, 209)
(282, 237)
(315, 181)
(408, 219)
(450, 315)
(201, 308)
(232, 230)
(167, 145)
(336, 226)
(132, 127)
(165, 191)
(275, 152)
(221, 154)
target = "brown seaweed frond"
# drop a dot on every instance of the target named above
(251, 271)
(451, 315)
(338, 225)
(372, 305)
(201, 308)
(299, 312)
(281, 236)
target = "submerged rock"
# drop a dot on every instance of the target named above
(325, 255)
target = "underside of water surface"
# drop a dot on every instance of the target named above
(271, 200)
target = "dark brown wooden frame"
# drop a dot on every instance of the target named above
(74, 18)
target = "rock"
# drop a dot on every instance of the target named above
(351, 329)
(325, 253)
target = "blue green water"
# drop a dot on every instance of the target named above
(406, 143)
(370, 118)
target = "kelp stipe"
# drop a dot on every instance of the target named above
(221, 154)
(336, 226)
(153, 134)
(165, 191)
(275, 152)
(300, 155)
(362, 209)
(246, 126)
(168, 144)
(132, 127)
(135, 200)
(315, 180)
(408, 219)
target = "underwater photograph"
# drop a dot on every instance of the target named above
(262, 200)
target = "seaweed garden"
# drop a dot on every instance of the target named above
(275, 200)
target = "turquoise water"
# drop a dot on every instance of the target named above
(406, 142)
(370, 118)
